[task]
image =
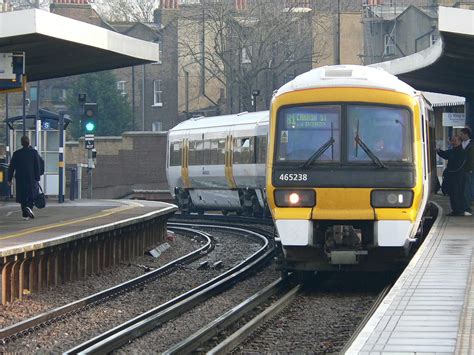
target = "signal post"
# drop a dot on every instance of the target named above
(89, 127)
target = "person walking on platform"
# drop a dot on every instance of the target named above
(25, 166)
(455, 175)
(468, 147)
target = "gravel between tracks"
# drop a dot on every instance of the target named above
(187, 324)
(65, 335)
(321, 319)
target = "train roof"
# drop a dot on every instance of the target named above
(242, 118)
(346, 76)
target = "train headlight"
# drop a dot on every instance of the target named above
(295, 198)
(391, 198)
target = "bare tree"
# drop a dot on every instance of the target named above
(258, 47)
(29, 4)
(127, 10)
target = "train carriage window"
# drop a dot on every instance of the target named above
(304, 130)
(199, 146)
(221, 152)
(192, 153)
(237, 150)
(261, 151)
(175, 153)
(384, 130)
(206, 152)
(195, 152)
(246, 150)
(214, 152)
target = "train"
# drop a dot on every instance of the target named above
(351, 168)
(218, 163)
(344, 161)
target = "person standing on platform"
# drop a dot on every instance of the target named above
(468, 147)
(25, 167)
(455, 175)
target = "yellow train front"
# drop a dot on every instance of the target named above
(348, 169)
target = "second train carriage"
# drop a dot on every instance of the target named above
(218, 163)
(350, 168)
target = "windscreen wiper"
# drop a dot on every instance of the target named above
(369, 153)
(318, 153)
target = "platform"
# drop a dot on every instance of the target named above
(72, 240)
(430, 308)
(59, 223)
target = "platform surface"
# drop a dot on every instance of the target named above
(430, 308)
(58, 223)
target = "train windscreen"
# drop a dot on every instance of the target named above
(305, 130)
(373, 134)
(384, 130)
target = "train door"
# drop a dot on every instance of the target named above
(426, 175)
(185, 163)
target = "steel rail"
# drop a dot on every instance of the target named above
(240, 335)
(204, 334)
(28, 326)
(222, 219)
(122, 334)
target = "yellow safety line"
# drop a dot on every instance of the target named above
(106, 213)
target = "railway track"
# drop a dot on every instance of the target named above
(270, 301)
(196, 341)
(33, 324)
(318, 317)
(221, 219)
(138, 326)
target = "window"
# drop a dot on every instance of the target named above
(214, 152)
(160, 52)
(246, 55)
(121, 87)
(244, 151)
(59, 94)
(157, 126)
(221, 152)
(384, 130)
(206, 152)
(192, 153)
(175, 153)
(189, 2)
(261, 149)
(157, 100)
(389, 44)
(304, 130)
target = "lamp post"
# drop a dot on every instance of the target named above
(255, 93)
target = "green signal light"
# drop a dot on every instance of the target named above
(90, 126)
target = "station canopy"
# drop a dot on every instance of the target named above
(447, 67)
(57, 46)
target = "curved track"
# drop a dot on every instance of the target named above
(28, 326)
(147, 321)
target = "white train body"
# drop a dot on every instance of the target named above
(218, 163)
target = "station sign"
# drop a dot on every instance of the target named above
(12, 70)
(451, 119)
(6, 67)
(89, 141)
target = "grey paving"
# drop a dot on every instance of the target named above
(58, 223)
(430, 308)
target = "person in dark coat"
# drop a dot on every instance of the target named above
(454, 175)
(25, 167)
(468, 146)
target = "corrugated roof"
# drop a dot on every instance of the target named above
(440, 100)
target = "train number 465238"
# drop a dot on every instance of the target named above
(293, 177)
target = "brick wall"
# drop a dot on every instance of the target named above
(134, 161)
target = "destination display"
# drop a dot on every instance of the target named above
(305, 119)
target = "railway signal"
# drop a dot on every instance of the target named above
(89, 118)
